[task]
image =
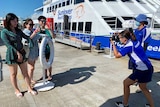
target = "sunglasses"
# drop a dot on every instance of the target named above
(43, 21)
(31, 24)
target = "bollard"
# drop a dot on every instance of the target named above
(98, 45)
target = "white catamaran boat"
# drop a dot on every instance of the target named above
(88, 22)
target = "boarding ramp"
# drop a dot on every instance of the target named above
(81, 41)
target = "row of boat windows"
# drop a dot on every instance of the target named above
(69, 2)
(64, 3)
(74, 26)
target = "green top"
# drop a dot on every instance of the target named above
(13, 44)
(47, 32)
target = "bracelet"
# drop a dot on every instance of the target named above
(36, 31)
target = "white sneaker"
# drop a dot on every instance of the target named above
(158, 82)
(147, 105)
(120, 104)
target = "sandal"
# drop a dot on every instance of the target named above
(49, 78)
(19, 95)
(33, 92)
(41, 78)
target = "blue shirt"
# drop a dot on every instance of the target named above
(137, 55)
(143, 35)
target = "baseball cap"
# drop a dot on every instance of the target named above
(142, 18)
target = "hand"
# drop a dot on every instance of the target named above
(112, 41)
(37, 30)
(20, 57)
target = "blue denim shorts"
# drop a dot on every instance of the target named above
(142, 76)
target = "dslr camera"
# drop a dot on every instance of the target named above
(115, 37)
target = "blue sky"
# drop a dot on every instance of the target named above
(22, 8)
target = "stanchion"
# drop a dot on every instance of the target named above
(110, 52)
(45, 85)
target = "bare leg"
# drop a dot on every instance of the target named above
(143, 87)
(31, 67)
(49, 73)
(13, 77)
(126, 83)
(24, 71)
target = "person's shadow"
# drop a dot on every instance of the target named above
(138, 99)
(73, 76)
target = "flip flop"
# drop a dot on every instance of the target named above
(19, 95)
(49, 78)
(33, 92)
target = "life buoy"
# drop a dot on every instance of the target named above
(46, 64)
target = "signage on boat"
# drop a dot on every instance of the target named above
(78, 12)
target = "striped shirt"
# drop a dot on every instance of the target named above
(143, 35)
(137, 55)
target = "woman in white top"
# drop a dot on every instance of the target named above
(34, 51)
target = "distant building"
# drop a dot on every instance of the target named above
(1, 22)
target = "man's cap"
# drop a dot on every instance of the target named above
(142, 18)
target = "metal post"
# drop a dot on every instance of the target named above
(44, 74)
(90, 43)
(110, 52)
(1, 73)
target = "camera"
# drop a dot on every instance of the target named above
(115, 37)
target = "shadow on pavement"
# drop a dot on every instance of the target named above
(138, 99)
(73, 76)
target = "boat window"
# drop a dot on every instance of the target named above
(88, 26)
(63, 4)
(78, 1)
(69, 25)
(48, 10)
(65, 24)
(155, 24)
(80, 27)
(52, 8)
(71, 1)
(119, 24)
(55, 26)
(74, 24)
(128, 18)
(56, 7)
(59, 26)
(67, 2)
(59, 4)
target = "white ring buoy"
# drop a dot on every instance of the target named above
(46, 64)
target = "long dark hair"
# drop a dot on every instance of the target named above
(27, 21)
(128, 33)
(9, 17)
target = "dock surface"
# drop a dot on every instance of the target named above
(82, 79)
